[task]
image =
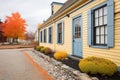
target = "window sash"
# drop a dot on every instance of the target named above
(100, 26)
(60, 32)
(50, 35)
(45, 35)
(41, 36)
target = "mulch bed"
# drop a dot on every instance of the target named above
(116, 76)
(74, 64)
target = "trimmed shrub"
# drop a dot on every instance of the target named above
(38, 48)
(60, 55)
(42, 50)
(94, 65)
(48, 50)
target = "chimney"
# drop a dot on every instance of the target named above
(55, 6)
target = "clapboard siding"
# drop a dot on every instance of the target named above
(111, 53)
(67, 45)
(50, 45)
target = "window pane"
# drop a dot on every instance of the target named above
(77, 29)
(105, 10)
(105, 39)
(97, 31)
(100, 21)
(97, 40)
(96, 22)
(60, 29)
(105, 19)
(60, 38)
(102, 30)
(102, 39)
(105, 29)
(60, 33)
(50, 34)
(101, 12)
(96, 14)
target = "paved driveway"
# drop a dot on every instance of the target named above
(15, 66)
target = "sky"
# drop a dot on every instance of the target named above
(33, 11)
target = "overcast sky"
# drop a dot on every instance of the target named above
(33, 11)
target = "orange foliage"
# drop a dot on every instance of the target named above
(14, 27)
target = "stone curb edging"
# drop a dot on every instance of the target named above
(71, 73)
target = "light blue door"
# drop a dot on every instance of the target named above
(77, 37)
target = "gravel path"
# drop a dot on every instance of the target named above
(58, 70)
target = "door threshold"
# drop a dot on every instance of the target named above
(74, 57)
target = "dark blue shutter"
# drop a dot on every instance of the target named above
(48, 35)
(57, 35)
(51, 34)
(62, 32)
(110, 22)
(90, 27)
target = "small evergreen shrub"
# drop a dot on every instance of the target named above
(48, 50)
(94, 65)
(38, 48)
(42, 50)
(60, 55)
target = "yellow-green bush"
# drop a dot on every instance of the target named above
(42, 50)
(48, 50)
(96, 65)
(38, 48)
(60, 55)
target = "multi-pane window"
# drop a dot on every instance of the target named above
(50, 35)
(45, 35)
(41, 36)
(60, 32)
(100, 26)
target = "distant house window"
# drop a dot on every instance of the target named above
(50, 35)
(45, 35)
(60, 32)
(100, 26)
(41, 36)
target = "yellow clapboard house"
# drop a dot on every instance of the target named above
(84, 28)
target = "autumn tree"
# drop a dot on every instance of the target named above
(14, 26)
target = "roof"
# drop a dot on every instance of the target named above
(57, 3)
(66, 6)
